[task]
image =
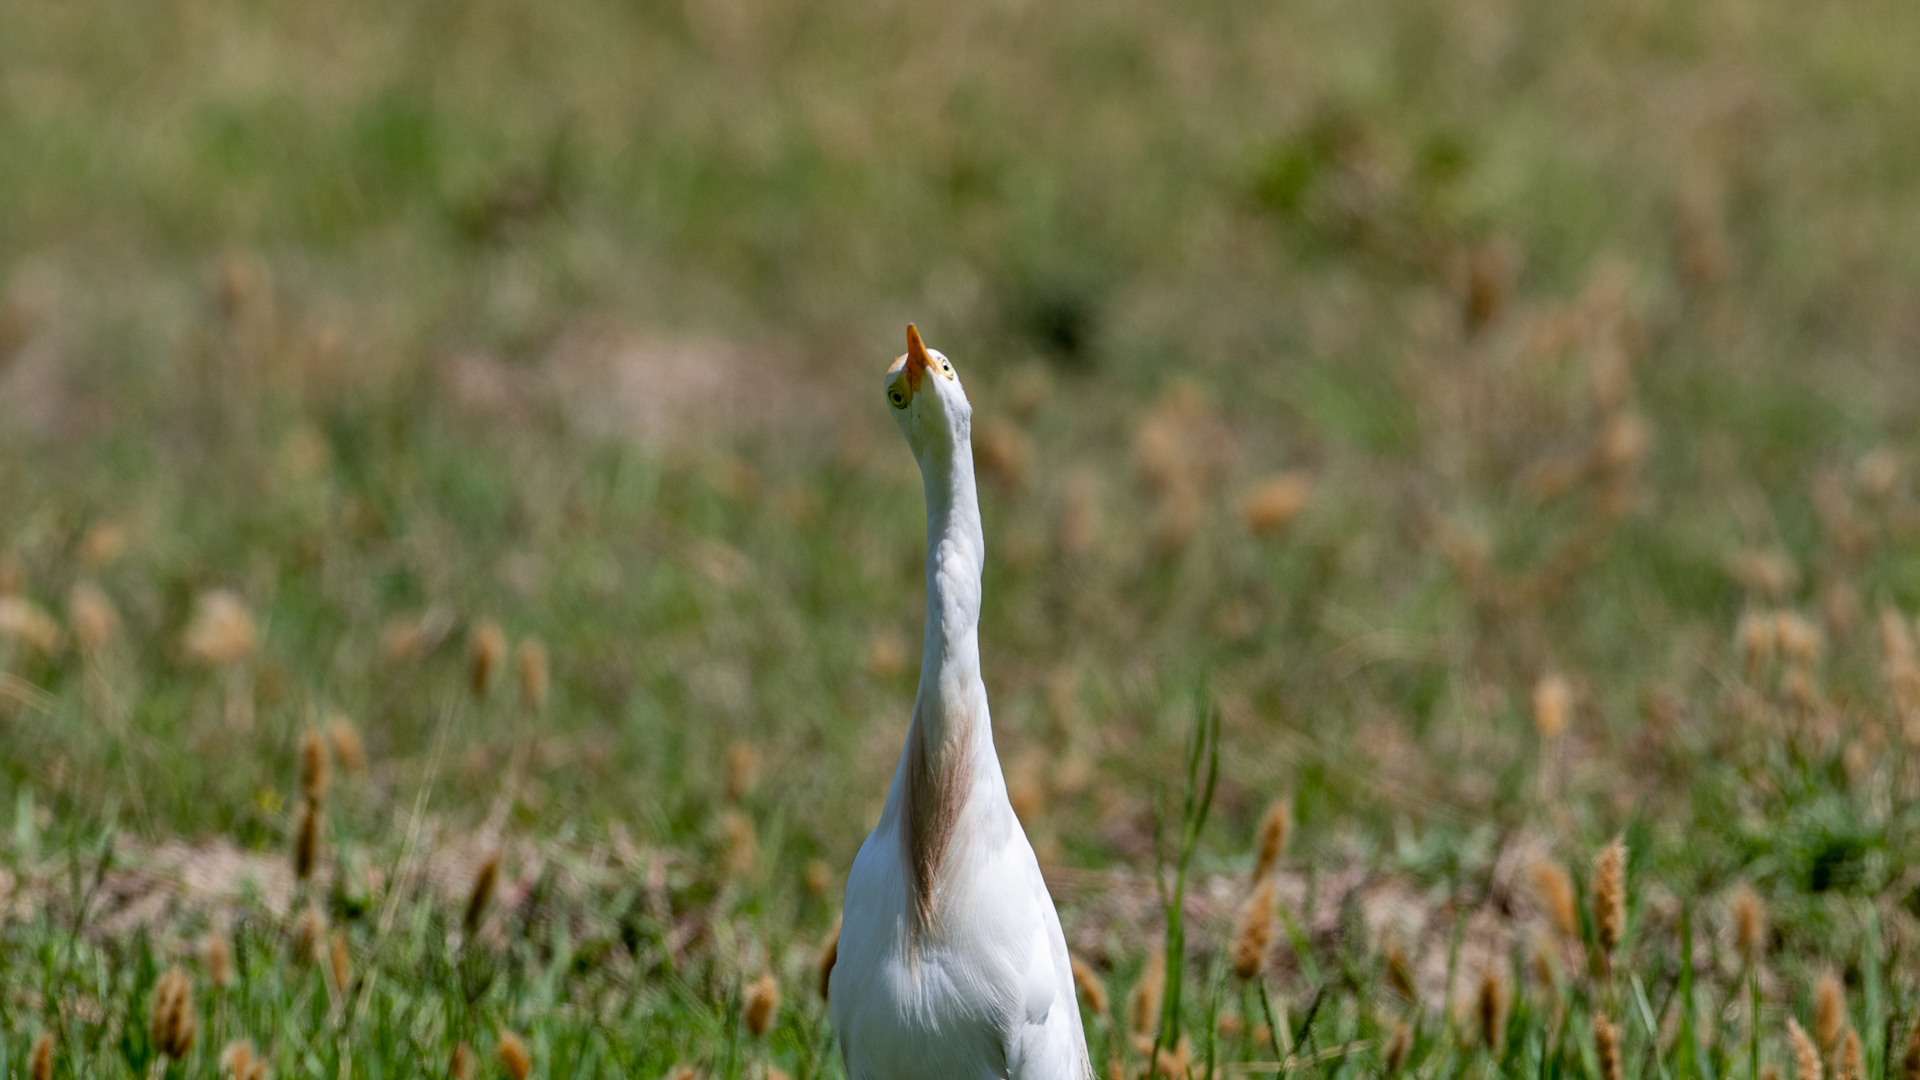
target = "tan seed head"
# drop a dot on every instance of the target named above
(309, 936)
(221, 632)
(313, 767)
(1256, 931)
(237, 1059)
(743, 770)
(485, 654)
(819, 878)
(1275, 828)
(1910, 1060)
(1610, 896)
(306, 841)
(1490, 1010)
(1087, 982)
(1749, 924)
(1553, 888)
(1829, 1010)
(480, 893)
(340, 961)
(95, 622)
(1806, 1056)
(1398, 1047)
(1143, 1004)
(1269, 508)
(742, 850)
(173, 1022)
(348, 748)
(218, 955)
(1552, 705)
(1852, 1066)
(514, 1059)
(533, 674)
(1399, 970)
(462, 1065)
(762, 1004)
(1606, 1047)
(40, 1059)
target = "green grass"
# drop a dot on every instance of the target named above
(571, 317)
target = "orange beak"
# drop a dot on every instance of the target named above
(917, 361)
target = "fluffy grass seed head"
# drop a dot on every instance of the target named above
(236, 1060)
(40, 1058)
(26, 622)
(1852, 1065)
(1552, 705)
(1606, 1047)
(1610, 896)
(221, 631)
(762, 1004)
(485, 653)
(1143, 1003)
(1553, 888)
(480, 893)
(348, 748)
(1271, 841)
(1087, 983)
(314, 771)
(217, 953)
(173, 1023)
(1829, 1010)
(534, 674)
(1256, 931)
(514, 1059)
(306, 840)
(1806, 1056)
(1749, 924)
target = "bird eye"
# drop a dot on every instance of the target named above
(898, 397)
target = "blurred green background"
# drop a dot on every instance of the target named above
(1370, 360)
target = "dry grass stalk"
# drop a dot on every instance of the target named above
(314, 778)
(348, 749)
(306, 841)
(1087, 982)
(1806, 1056)
(1749, 924)
(1606, 1047)
(1398, 1047)
(1552, 705)
(480, 893)
(743, 770)
(1610, 897)
(1553, 888)
(1829, 1010)
(829, 955)
(40, 1059)
(309, 934)
(534, 674)
(218, 955)
(462, 1065)
(485, 654)
(1256, 931)
(514, 1059)
(95, 622)
(221, 632)
(173, 1023)
(1272, 842)
(762, 1004)
(1143, 1003)
(1490, 1010)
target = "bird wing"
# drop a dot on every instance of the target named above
(1048, 1041)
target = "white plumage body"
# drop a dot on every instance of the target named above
(952, 964)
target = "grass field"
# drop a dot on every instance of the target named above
(1504, 418)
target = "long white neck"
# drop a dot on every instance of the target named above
(952, 698)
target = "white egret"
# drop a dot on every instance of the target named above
(951, 964)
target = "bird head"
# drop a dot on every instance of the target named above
(927, 400)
